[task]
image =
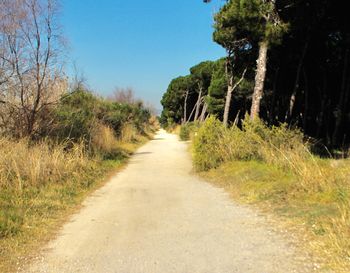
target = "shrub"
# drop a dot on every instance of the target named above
(74, 116)
(279, 146)
(186, 130)
(206, 154)
(80, 115)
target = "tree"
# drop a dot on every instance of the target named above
(217, 89)
(272, 29)
(201, 74)
(34, 42)
(178, 100)
(236, 43)
(240, 25)
(124, 95)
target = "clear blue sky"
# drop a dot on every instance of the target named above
(137, 43)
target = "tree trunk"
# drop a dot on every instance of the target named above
(340, 107)
(192, 112)
(259, 79)
(228, 101)
(273, 102)
(306, 107)
(204, 111)
(297, 81)
(185, 109)
(198, 104)
(320, 118)
(230, 89)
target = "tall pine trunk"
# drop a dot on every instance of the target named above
(342, 102)
(185, 108)
(296, 84)
(228, 101)
(198, 104)
(230, 88)
(259, 79)
(204, 112)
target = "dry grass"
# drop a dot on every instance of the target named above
(128, 133)
(274, 168)
(24, 165)
(42, 183)
(103, 139)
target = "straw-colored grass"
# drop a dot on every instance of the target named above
(24, 165)
(274, 168)
(42, 183)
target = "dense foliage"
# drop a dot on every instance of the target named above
(307, 78)
(78, 113)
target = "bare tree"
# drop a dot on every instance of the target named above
(7, 25)
(32, 38)
(124, 95)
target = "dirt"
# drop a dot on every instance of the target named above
(156, 216)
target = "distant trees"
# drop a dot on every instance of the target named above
(201, 74)
(187, 97)
(179, 100)
(296, 58)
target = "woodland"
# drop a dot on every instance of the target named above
(286, 62)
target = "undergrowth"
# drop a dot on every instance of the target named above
(188, 130)
(273, 167)
(41, 183)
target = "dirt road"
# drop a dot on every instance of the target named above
(157, 217)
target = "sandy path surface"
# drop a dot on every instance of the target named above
(157, 217)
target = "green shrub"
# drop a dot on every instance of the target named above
(98, 123)
(206, 154)
(186, 130)
(277, 145)
(74, 116)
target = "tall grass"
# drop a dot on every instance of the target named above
(279, 146)
(128, 133)
(104, 143)
(23, 164)
(280, 168)
(40, 183)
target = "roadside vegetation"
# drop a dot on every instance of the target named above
(274, 169)
(58, 140)
(42, 179)
(269, 121)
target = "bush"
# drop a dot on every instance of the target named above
(206, 154)
(279, 146)
(74, 116)
(80, 115)
(186, 130)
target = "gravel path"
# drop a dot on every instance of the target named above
(157, 217)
